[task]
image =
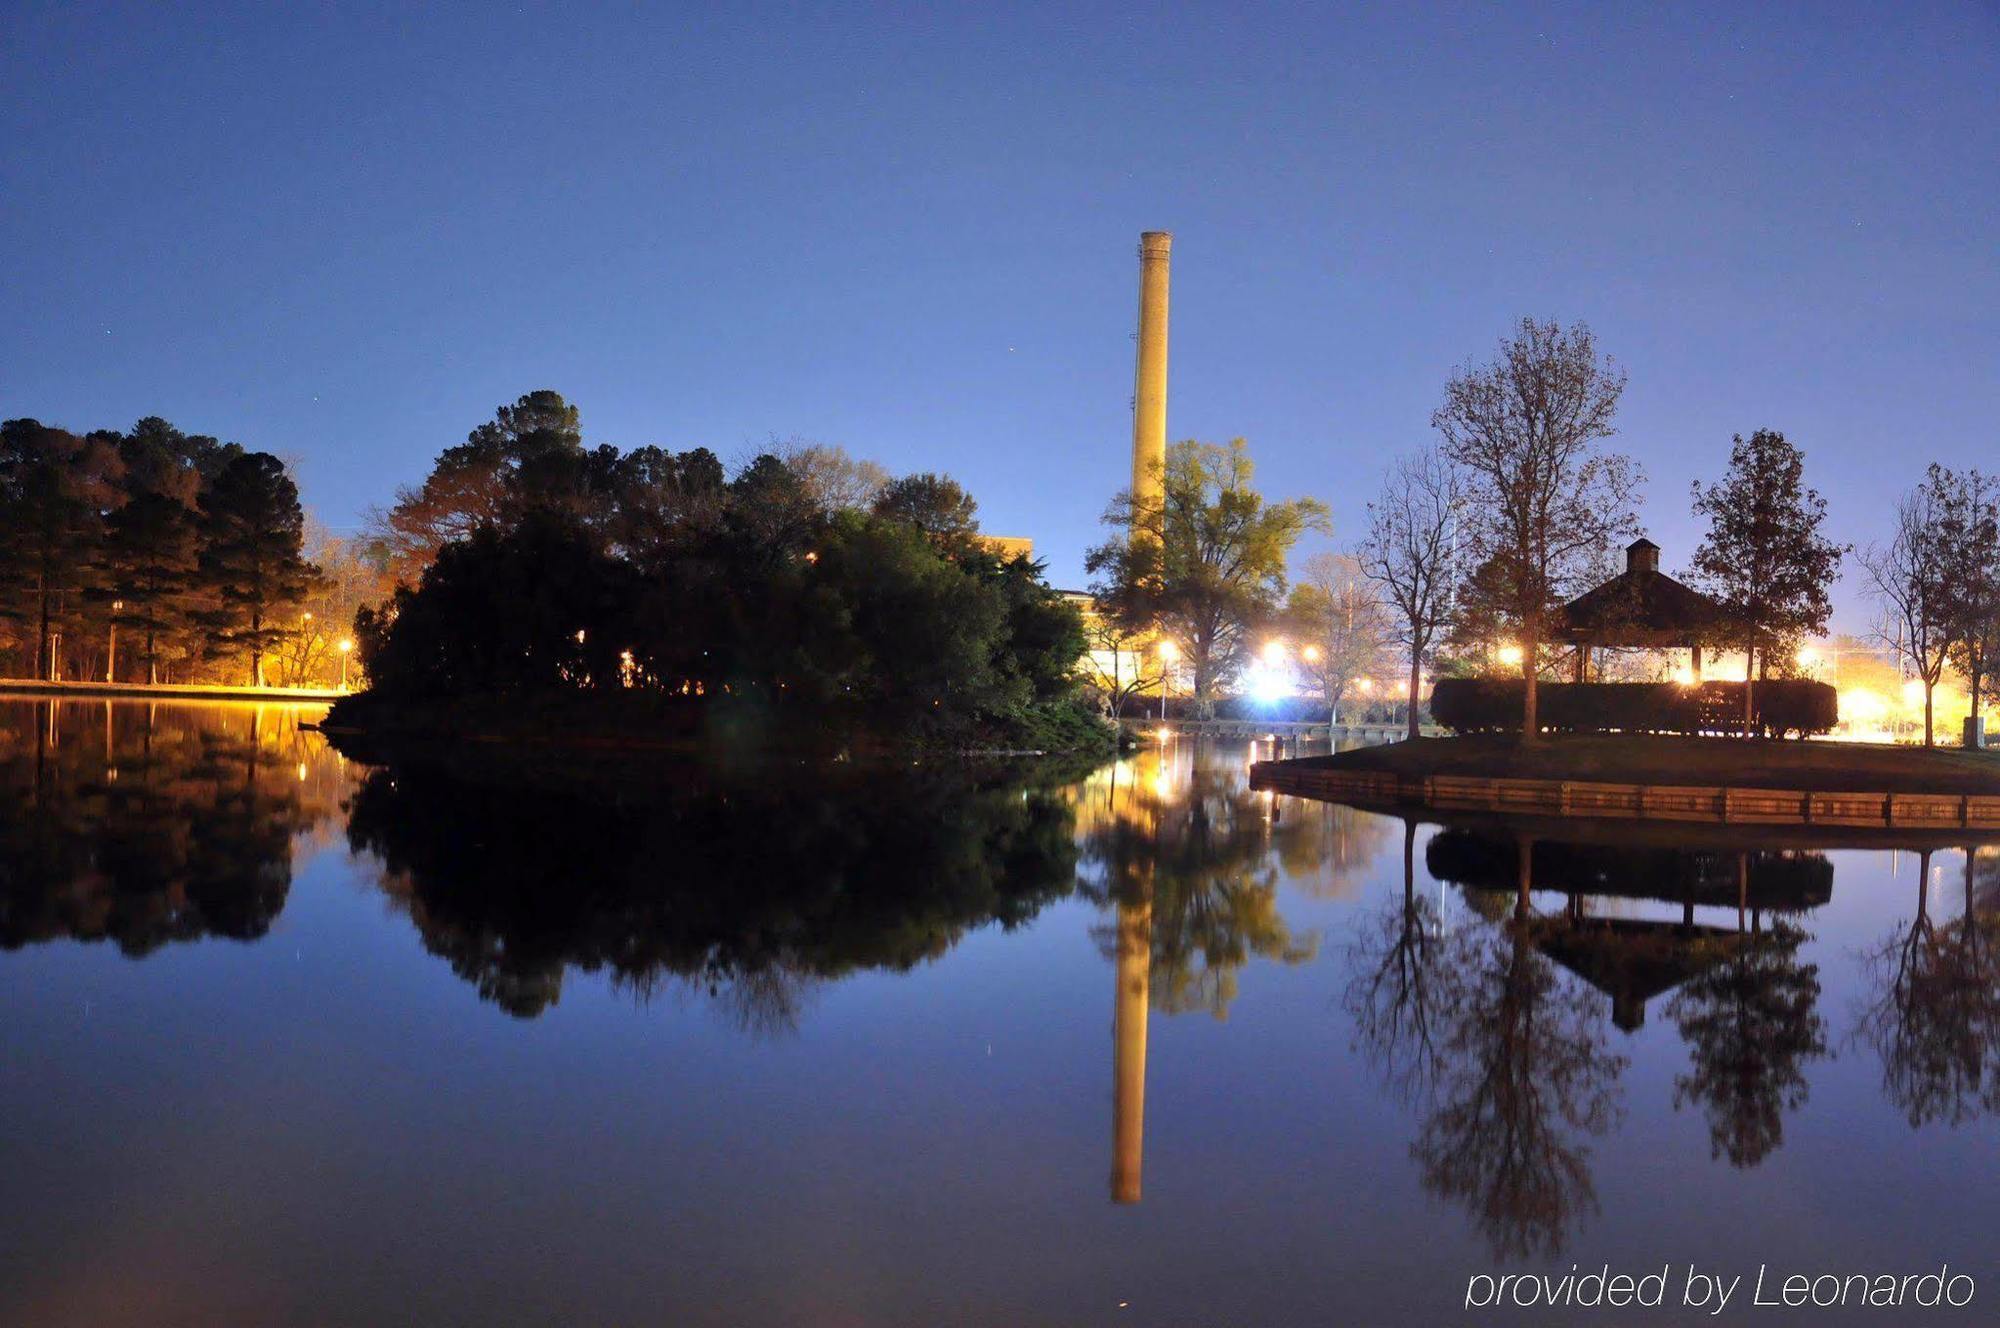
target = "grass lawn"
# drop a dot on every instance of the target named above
(1620, 758)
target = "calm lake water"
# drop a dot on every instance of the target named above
(293, 1039)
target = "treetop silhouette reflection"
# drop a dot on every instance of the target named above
(748, 891)
(146, 825)
(1934, 1016)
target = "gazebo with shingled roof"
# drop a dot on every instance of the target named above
(1642, 608)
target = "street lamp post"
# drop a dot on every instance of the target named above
(1169, 652)
(111, 647)
(346, 649)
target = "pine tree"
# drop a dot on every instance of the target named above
(54, 487)
(151, 558)
(252, 532)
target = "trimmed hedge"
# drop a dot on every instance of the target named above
(1493, 705)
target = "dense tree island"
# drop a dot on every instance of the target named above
(557, 593)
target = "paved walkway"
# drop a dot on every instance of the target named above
(139, 691)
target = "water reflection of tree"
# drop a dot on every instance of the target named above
(1744, 1003)
(146, 825)
(1526, 1079)
(746, 891)
(1202, 851)
(1504, 1054)
(1752, 1024)
(1397, 993)
(1935, 1015)
(1325, 848)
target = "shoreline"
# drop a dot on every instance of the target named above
(25, 689)
(650, 725)
(1706, 780)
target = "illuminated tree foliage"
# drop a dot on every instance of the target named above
(251, 564)
(1339, 626)
(144, 830)
(932, 504)
(152, 555)
(1203, 861)
(187, 545)
(1412, 552)
(1205, 565)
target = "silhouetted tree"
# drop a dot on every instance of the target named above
(935, 505)
(1399, 992)
(1751, 1024)
(1910, 577)
(1412, 552)
(1527, 1081)
(54, 488)
(1969, 510)
(252, 534)
(151, 562)
(530, 454)
(1763, 557)
(740, 602)
(1544, 500)
(535, 607)
(1934, 1018)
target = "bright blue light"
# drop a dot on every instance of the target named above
(1268, 686)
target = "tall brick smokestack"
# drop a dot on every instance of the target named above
(1149, 393)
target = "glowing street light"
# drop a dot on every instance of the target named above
(1510, 655)
(1310, 654)
(346, 649)
(1274, 652)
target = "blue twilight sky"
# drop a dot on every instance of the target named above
(346, 233)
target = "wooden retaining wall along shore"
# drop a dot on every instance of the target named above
(1650, 802)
